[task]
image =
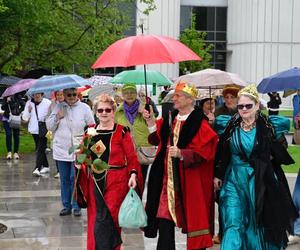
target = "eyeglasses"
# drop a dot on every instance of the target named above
(107, 110)
(71, 94)
(247, 106)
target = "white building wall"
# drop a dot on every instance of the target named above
(165, 20)
(263, 38)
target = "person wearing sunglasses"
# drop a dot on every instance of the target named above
(255, 202)
(67, 122)
(104, 192)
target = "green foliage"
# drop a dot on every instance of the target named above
(195, 41)
(59, 34)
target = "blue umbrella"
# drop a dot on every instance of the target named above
(53, 83)
(285, 80)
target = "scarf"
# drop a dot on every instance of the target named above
(131, 112)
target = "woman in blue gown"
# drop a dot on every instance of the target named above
(255, 202)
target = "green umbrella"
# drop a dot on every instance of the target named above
(138, 77)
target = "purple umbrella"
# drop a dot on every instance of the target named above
(19, 87)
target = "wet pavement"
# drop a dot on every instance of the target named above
(29, 207)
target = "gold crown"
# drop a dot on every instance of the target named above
(191, 90)
(250, 90)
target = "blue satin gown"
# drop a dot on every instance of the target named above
(237, 198)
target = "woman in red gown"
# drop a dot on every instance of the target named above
(104, 192)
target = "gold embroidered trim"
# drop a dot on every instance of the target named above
(198, 233)
(170, 183)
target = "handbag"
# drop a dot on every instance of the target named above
(42, 125)
(14, 121)
(296, 136)
(42, 129)
(146, 155)
(132, 213)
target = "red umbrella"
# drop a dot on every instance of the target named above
(144, 49)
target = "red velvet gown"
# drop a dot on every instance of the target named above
(120, 154)
(196, 176)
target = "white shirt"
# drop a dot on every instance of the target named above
(42, 109)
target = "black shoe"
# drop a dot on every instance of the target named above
(77, 212)
(65, 212)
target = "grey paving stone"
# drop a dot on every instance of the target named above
(30, 206)
(29, 232)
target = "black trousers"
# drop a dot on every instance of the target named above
(144, 172)
(40, 147)
(166, 237)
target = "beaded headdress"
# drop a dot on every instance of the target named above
(250, 90)
(189, 89)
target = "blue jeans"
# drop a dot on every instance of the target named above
(67, 178)
(9, 132)
(296, 198)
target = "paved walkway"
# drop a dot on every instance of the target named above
(29, 207)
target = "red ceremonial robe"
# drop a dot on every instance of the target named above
(196, 175)
(121, 154)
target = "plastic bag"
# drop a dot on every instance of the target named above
(132, 213)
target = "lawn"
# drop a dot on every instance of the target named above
(26, 142)
(294, 151)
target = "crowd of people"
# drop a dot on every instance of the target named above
(230, 154)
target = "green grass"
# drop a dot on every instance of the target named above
(294, 151)
(26, 142)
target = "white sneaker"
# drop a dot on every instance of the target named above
(293, 239)
(8, 156)
(45, 170)
(56, 176)
(16, 156)
(36, 173)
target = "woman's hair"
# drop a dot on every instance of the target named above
(106, 99)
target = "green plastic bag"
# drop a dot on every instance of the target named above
(132, 213)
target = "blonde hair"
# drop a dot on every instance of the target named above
(106, 99)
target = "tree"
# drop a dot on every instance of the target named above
(59, 34)
(194, 39)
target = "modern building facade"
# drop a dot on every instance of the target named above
(253, 38)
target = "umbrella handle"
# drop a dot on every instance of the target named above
(147, 107)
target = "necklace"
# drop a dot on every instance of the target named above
(247, 127)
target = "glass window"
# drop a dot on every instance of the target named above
(210, 36)
(220, 57)
(220, 46)
(205, 18)
(221, 17)
(220, 66)
(220, 36)
(185, 17)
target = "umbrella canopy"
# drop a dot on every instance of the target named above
(285, 80)
(144, 49)
(138, 77)
(9, 80)
(97, 90)
(98, 80)
(19, 87)
(54, 83)
(211, 78)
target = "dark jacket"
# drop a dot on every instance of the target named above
(15, 106)
(275, 101)
(273, 203)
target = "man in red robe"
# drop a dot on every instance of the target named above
(180, 186)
